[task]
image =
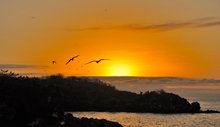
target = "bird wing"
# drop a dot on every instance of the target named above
(75, 57)
(68, 61)
(90, 62)
(104, 59)
(72, 59)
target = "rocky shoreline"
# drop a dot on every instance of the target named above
(70, 121)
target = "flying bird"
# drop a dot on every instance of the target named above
(72, 59)
(54, 62)
(97, 61)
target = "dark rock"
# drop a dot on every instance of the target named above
(210, 111)
(70, 121)
(195, 107)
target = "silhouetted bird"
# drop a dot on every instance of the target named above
(97, 61)
(54, 62)
(72, 59)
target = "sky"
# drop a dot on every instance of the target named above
(177, 38)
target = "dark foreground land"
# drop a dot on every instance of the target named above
(42, 101)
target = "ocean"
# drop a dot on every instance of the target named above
(156, 120)
(204, 91)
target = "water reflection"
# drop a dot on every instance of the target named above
(156, 120)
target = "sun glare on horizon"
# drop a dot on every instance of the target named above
(121, 70)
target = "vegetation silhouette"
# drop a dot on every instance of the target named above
(25, 100)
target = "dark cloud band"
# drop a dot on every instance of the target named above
(19, 66)
(196, 23)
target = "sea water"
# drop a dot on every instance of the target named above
(161, 120)
(156, 120)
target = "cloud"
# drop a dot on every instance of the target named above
(159, 27)
(137, 84)
(209, 24)
(210, 87)
(195, 23)
(83, 29)
(158, 80)
(206, 19)
(19, 66)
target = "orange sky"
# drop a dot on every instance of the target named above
(142, 38)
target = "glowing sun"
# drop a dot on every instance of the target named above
(121, 70)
